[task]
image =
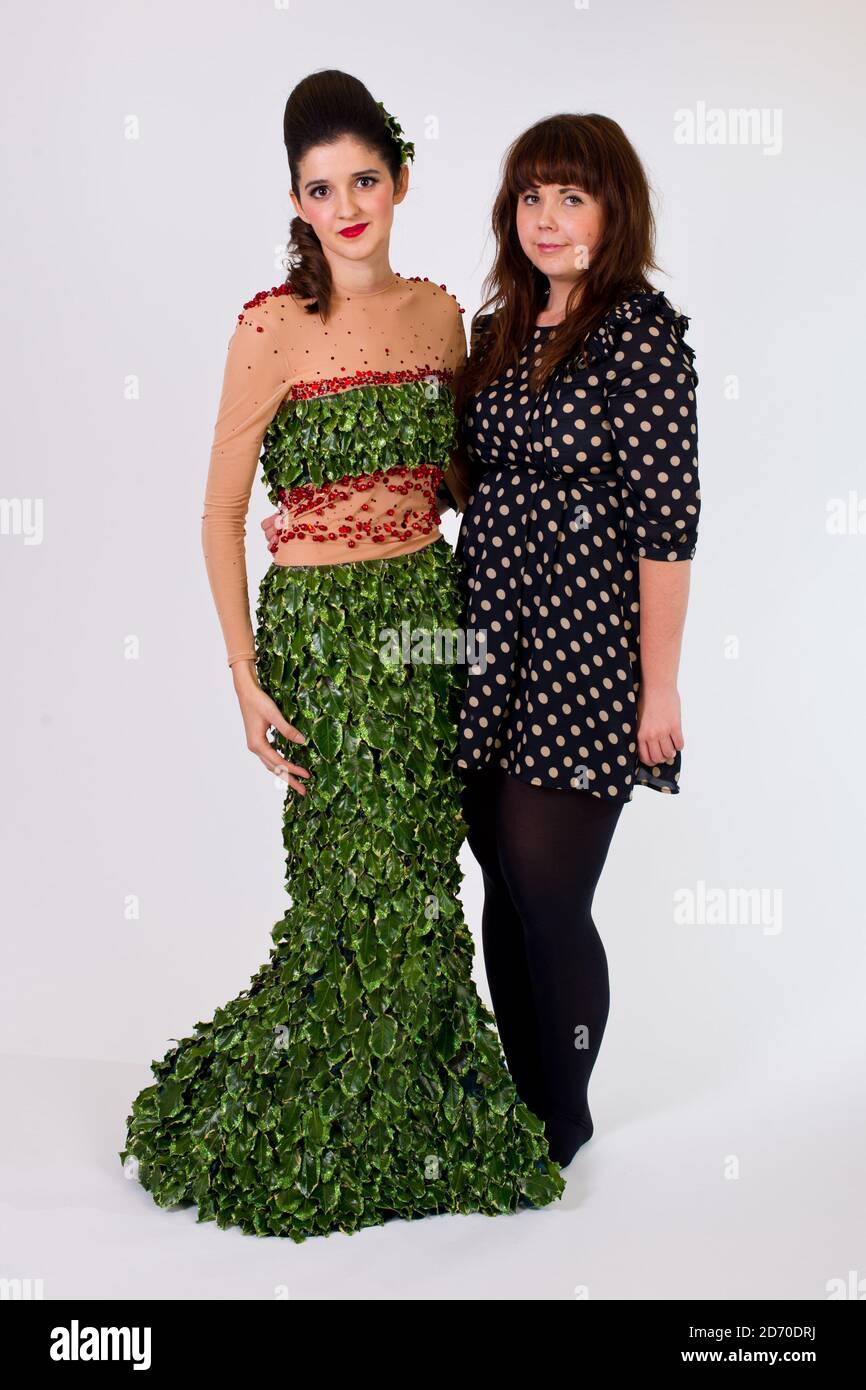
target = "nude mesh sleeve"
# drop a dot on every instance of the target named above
(254, 385)
(451, 492)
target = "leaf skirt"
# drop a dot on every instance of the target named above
(360, 1077)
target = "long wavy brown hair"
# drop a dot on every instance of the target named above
(321, 108)
(593, 153)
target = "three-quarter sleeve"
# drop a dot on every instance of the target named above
(254, 384)
(455, 343)
(649, 387)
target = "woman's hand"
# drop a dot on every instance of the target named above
(269, 526)
(260, 714)
(659, 731)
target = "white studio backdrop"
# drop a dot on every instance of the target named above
(147, 199)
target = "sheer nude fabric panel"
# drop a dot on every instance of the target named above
(394, 515)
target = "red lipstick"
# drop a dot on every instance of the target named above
(353, 231)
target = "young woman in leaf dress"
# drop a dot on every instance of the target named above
(359, 1077)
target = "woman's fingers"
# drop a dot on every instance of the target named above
(649, 751)
(288, 730)
(260, 714)
(269, 526)
(287, 772)
(291, 781)
(660, 732)
(667, 746)
(658, 748)
(296, 768)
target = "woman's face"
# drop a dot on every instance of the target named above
(347, 185)
(559, 229)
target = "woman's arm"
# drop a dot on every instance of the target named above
(453, 493)
(652, 413)
(254, 384)
(664, 596)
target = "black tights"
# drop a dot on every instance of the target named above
(541, 852)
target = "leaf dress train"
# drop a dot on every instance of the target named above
(360, 1077)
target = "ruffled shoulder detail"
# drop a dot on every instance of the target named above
(639, 306)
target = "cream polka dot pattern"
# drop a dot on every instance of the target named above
(576, 485)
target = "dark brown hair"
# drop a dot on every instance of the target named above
(321, 108)
(590, 152)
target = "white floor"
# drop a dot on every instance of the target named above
(652, 1209)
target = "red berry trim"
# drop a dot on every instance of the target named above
(326, 386)
(266, 294)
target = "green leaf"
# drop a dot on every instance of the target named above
(383, 1036)
(327, 735)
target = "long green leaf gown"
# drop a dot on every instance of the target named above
(360, 1077)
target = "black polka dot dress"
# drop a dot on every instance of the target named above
(576, 485)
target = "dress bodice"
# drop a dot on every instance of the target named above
(373, 422)
(618, 423)
(367, 389)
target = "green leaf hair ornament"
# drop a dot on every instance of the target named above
(406, 147)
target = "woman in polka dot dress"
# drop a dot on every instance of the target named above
(578, 422)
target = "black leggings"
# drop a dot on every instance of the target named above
(541, 852)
